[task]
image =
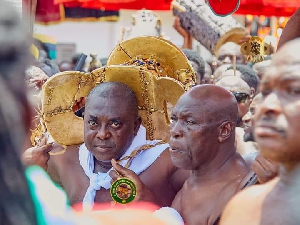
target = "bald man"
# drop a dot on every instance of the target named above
(276, 130)
(226, 53)
(203, 142)
(242, 92)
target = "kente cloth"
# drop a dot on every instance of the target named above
(139, 164)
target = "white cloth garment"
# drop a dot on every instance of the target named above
(139, 164)
(169, 215)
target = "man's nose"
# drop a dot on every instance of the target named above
(103, 133)
(176, 130)
(270, 105)
(247, 118)
(227, 59)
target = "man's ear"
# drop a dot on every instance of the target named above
(226, 129)
(137, 125)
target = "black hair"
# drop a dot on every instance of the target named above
(195, 56)
(248, 75)
(115, 90)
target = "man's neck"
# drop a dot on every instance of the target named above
(215, 167)
(102, 166)
(289, 174)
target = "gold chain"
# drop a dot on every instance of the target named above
(135, 152)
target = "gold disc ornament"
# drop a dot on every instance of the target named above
(123, 190)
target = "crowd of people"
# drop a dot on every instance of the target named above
(231, 156)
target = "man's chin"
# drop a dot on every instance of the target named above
(278, 154)
(180, 162)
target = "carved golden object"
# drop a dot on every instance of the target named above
(156, 54)
(255, 49)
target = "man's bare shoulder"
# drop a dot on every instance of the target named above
(71, 155)
(163, 162)
(176, 176)
(244, 207)
(61, 162)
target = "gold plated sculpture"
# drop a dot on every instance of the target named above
(255, 49)
(156, 54)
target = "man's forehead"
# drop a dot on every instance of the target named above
(281, 72)
(234, 84)
(107, 104)
(186, 102)
(229, 49)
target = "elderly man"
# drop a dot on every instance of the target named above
(241, 91)
(112, 130)
(203, 141)
(226, 53)
(277, 133)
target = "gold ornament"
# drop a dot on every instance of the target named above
(255, 50)
(158, 55)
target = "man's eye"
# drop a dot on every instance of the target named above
(115, 124)
(92, 123)
(294, 91)
(173, 119)
(190, 122)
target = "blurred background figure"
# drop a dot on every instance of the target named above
(226, 53)
(66, 66)
(245, 73)
(261, 67)
(247, 119)
(16, 206)
(197, 62)
(242, 92)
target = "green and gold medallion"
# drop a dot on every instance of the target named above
(123, 190)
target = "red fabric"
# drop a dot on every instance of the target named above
(47, 12)
(223, 7)
(268, 7)
(118, 4)
(254, 7)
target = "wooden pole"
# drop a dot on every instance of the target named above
(123, 29)
(234, 64)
